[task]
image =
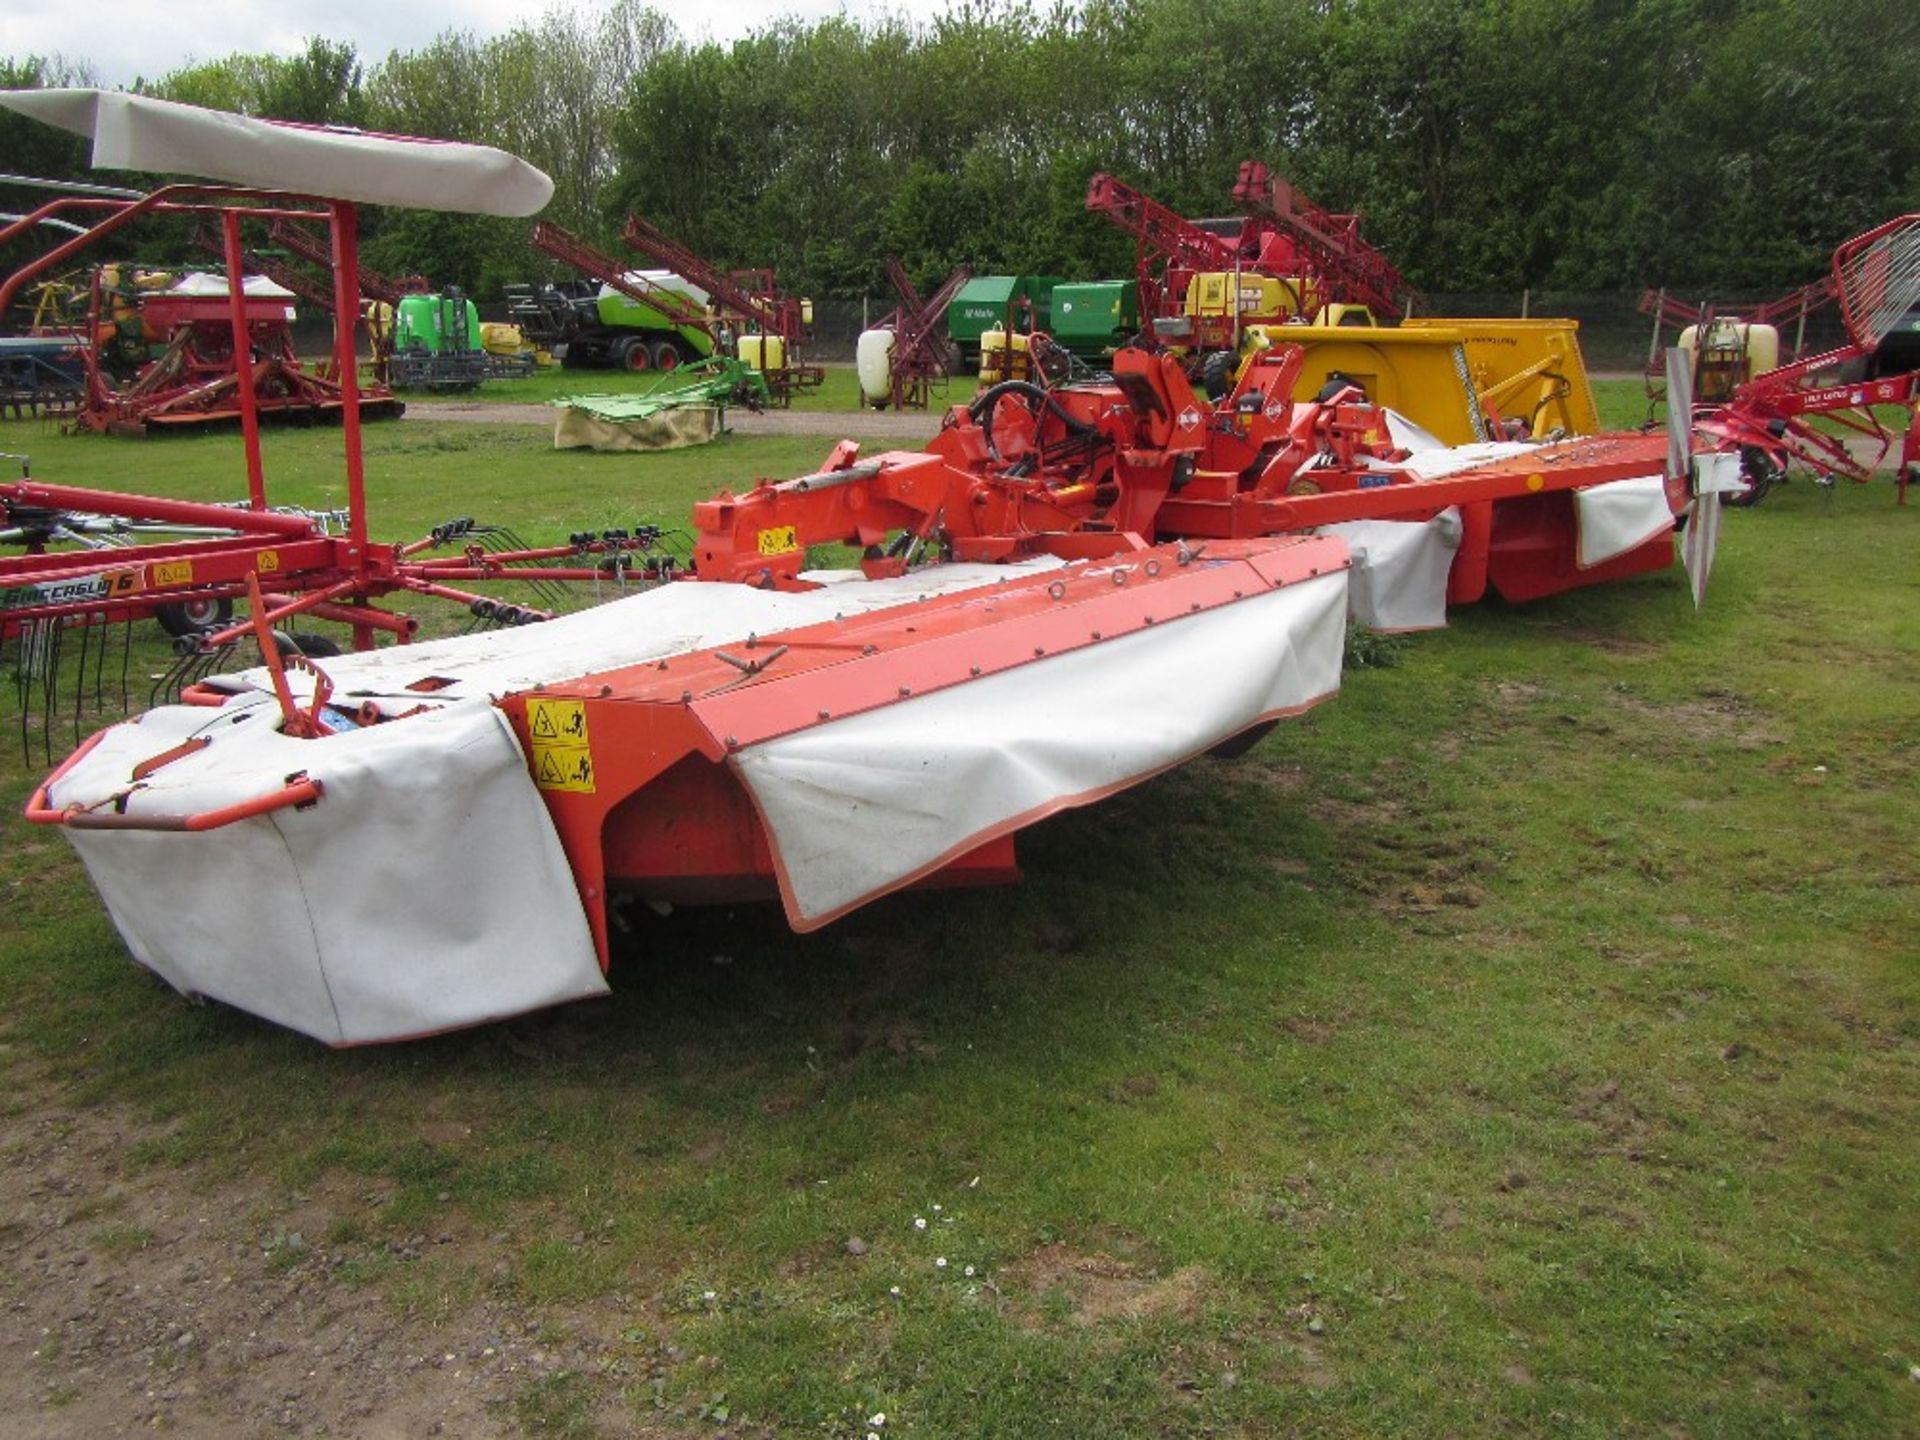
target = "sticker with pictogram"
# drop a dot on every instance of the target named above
(173, 572)
(555, 768)
(562, 758)
(268, 562)
(557, 722)
(779, 540)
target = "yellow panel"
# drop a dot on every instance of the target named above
(1528, 369)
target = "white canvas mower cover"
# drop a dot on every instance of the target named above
(140, 132)
(427, 890)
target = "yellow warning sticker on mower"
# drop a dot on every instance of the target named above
(557, 722)
(562, 759)
(556, 768)
(173, 572)
(267, 562)
(780, 540)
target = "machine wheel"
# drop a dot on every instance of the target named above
(634, 356)
(305, 642)
(1216, 373)
(666, 355)
(194, 617)
(1338, 380)
(1760, 472)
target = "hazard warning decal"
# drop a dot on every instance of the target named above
(561, 754)
(779, 540)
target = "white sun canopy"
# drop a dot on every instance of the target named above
(139, 132)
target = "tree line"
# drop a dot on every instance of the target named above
(1490, 144)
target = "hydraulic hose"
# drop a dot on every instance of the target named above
(982, 407)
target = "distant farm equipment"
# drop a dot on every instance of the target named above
(659, 319)
(771, 330)
(619, 317)
(683, 407)
(200, 353)
(901, 359)
(41, 374)
(439, 344)
(85, 561)
(1806, 411)
(420, 340)
(1202, 283)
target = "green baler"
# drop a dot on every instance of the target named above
(987, 302)
(1094, 318)
(627, 324)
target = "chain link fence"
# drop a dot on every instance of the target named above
(1614, 336)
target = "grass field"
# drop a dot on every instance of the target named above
(1527, 1042)
(840, 390)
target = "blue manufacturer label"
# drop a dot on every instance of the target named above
(1374, 482)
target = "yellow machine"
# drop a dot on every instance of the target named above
(1003, 357)
(1255, 298)
(1460, 379)
(1529, 372)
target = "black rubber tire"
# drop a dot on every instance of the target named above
(315, 646)
(193, 617)
(1337, 380)
(1757, 468)
(1216, 374)
(305, 642)
(666, 355)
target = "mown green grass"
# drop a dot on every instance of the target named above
(839, 390)
(1525, 1042)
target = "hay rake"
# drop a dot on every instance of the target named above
(1806, 412)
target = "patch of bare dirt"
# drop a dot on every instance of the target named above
(1713, 715)
(1287, 779)
(1101, 1288)
(141, 1300)
(1352, 815)
(1511, 694)
(1307, 1365)
(1611, 643)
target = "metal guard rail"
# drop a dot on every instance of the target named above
(299, 790)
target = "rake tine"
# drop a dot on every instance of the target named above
(169, 682)
(100, 666)
(23, 688)
(126, 659)
(80, 677)
(50, 686)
